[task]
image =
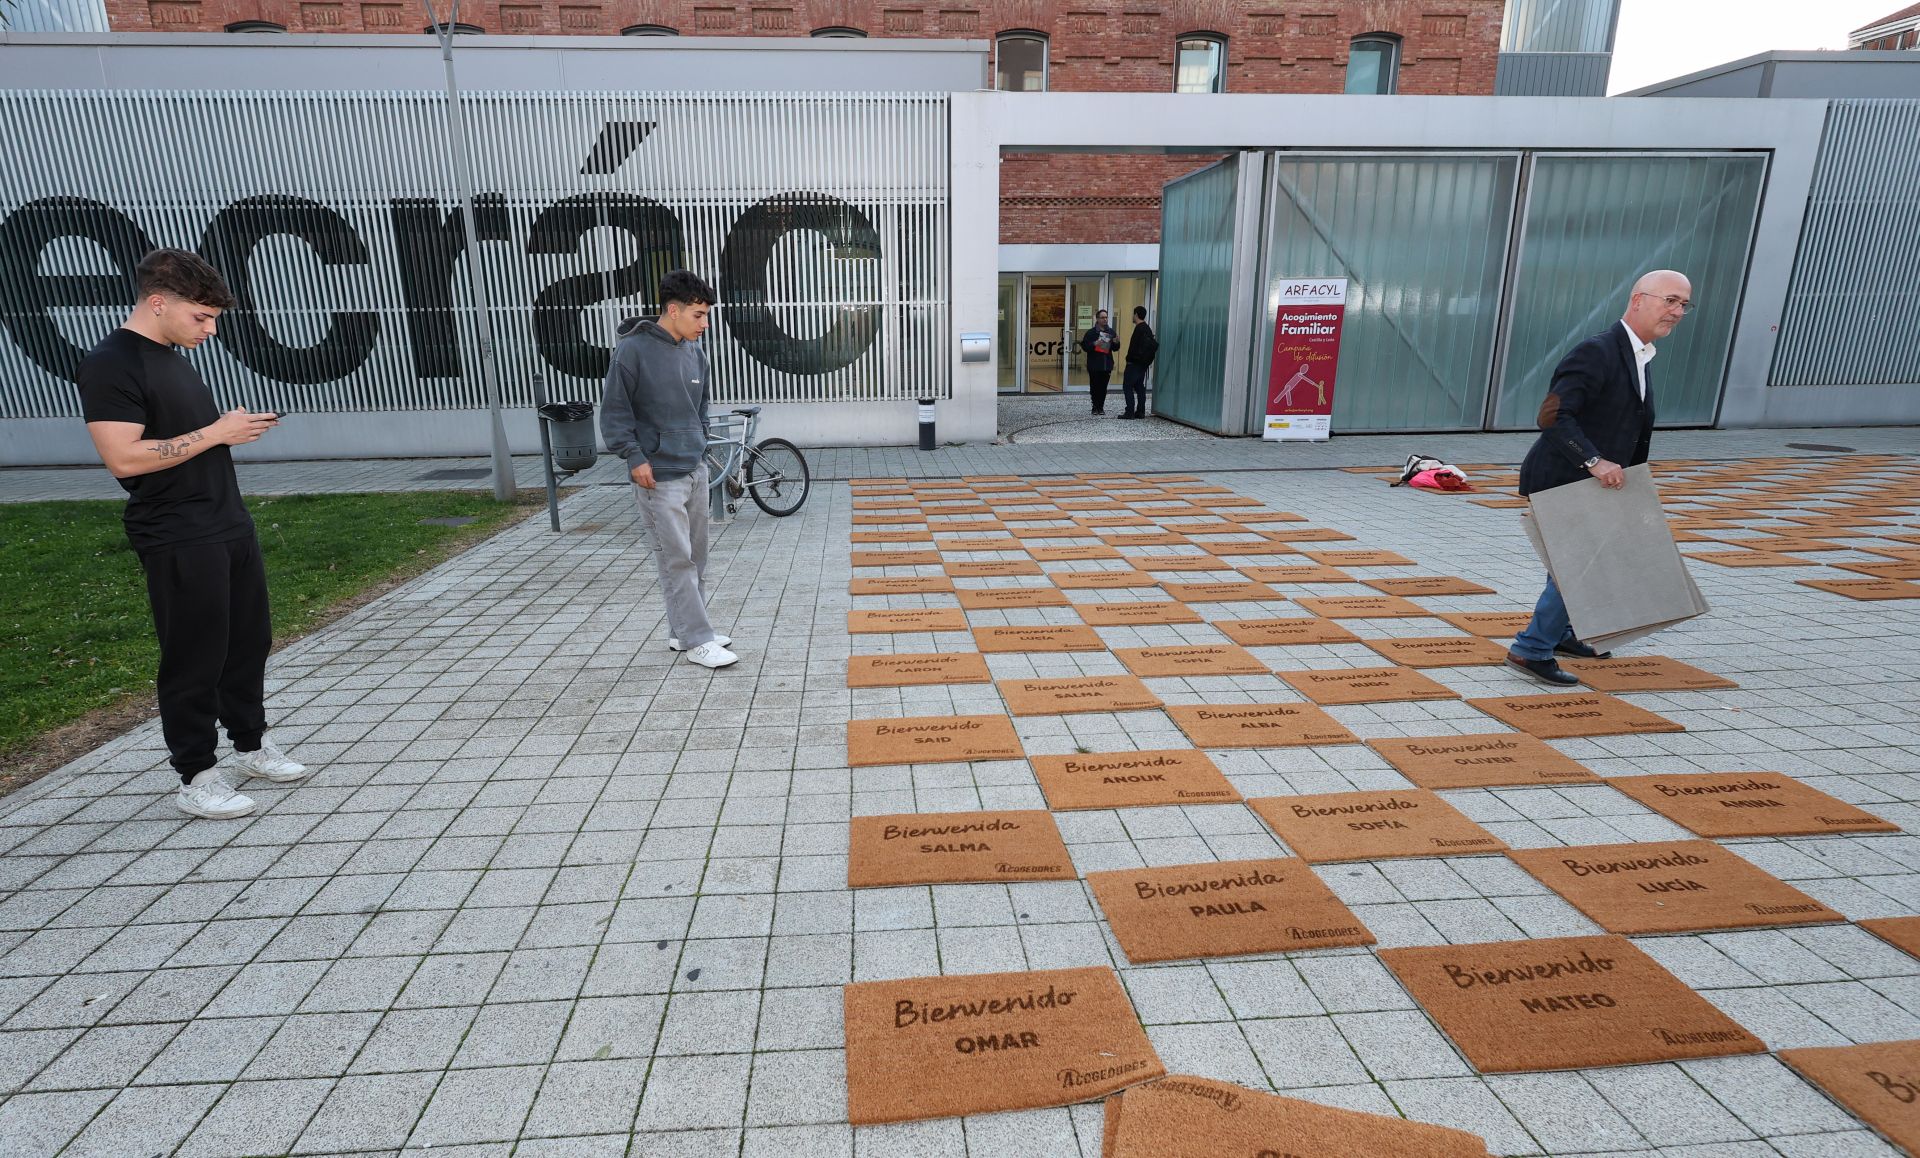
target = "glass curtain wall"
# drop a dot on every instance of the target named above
(1196, 278)
(1422, 241)
(1593, 225)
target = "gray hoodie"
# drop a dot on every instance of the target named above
(654, 407)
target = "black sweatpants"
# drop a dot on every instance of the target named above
(1097, 386)
(210, 611)
(1133, 387)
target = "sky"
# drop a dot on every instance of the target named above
(1661, 39)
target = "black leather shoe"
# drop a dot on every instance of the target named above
(1544, 669)
(1579, 650)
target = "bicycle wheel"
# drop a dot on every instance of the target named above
(777, 476)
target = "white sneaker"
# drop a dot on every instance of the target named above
(713, 654)
(722, 640)
(212, 798)
(270, 763)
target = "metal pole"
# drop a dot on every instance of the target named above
(546, 452)
(503, 485)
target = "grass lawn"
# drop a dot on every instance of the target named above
(75, 632)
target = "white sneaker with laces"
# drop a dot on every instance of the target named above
(723, 640)
(269, 763)
(712, 654)
(212, 798)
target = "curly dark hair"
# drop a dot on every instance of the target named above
(184, 275)
(684, 286)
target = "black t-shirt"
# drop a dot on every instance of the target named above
(129, 378)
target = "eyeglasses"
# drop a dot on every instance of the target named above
(1674, 301)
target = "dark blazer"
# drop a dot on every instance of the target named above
(1097, 362)
(1142, 346)
(1593, 408)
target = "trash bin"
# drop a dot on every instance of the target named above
(570, 430)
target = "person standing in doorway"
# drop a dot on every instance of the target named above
(1141, 348)
(1596, 421)
(653, 414)
(1099, 344)
(158, 431)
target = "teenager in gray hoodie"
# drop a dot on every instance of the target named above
(653, 414)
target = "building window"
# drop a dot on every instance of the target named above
(1373, 67)
(649, 30)
(255, 26)
(1021, 62)
(461, 28)
(838, 32)
(1200, 64)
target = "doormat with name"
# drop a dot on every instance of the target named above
(1148, 539)
(1073, 553)
(1182, 563)
(955, 848)
(1223, 909)
(919, 536)
(894, 558)
(1879, 1082)
(1054, 697)
(1578, 714)
(993, 598)
(1750, 559)
(1363, 607)
(1306, 535)
(991, 568)
(1101, 580)
(1670, 886)
(1492, 624)
(1902, 933)
(1073, 637)
(1441, 651)
(1211, 659)
(1487, 760)
(1296, 574)
(1375, 825)
(942, 1047)
(1564, 1003)
(1366, 685)
(1126, 614)
(901, 585)
(1258, 725)
(1181, 1116)
(915, 670)
(1747, 804)
(1285, 632)
(979, 543)
(888, 622)
(1223, 592)
(1428, 585)
(1131, 779)
(1645, 673)
(931, 740)
(1361, 558)
(1870, 589)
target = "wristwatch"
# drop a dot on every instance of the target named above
(1591, 463)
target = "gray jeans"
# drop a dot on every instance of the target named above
(675, 510)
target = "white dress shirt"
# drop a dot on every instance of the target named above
(1643, 353)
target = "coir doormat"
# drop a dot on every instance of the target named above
(955, 848)
(1053, 697)
(931, 740)
(1222, 592)
(1180, 563)
(911, 536)
(1073, 637)
(901, 585)
(991, 568)
(1488, 760)
(1749, 559)
(1127, 614)
(1102, 580)
(1213, 659)
(1131, 779)
(1188, 1117)
(1670, 886)
(990, 598)
(1428, 585)
(1868, 589)
(1341, 826)
(1747, 804)
(1069, 554)
(1492, 624)
(1879, 1082)
(1366, 685)
(887, 622)
(942, 1047)
(1364, 607)
(1645, 673)
(1441, 651)
(1360, 558)
(902, 671)
(1579, 714)
(1284, 632)
(894, 558)
(1564, 1003)
(1258, 725)
(1901, 932)
(1296, 574)
(1223, 909)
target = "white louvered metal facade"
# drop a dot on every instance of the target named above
(820, 219)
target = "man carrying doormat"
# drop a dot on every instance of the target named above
(1596, 421)
(653, 413)
(157, 429)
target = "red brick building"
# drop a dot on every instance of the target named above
(1075, 230)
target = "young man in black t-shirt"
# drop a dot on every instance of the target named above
(157, 429)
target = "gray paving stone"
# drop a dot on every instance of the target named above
(38, 1125)
(688, 1093)
(144, 1121)
(374, 1112)
(255, 1118)
(469, 1106)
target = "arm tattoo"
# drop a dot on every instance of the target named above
(177, 447)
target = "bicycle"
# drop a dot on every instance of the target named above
(772, 471)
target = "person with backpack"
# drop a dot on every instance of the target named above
(1141, 348)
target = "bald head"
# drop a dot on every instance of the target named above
(1660, 299)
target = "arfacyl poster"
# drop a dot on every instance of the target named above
(1306, 355)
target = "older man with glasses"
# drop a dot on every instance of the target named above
(1596, 421)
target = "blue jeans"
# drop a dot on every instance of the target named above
(1548, 626)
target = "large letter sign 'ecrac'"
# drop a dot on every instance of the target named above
(1306, 356)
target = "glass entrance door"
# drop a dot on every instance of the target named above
(1085, 295)
(1046, 334)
